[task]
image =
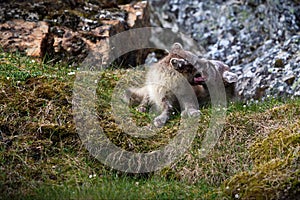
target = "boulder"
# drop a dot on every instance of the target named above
(138, 14)
(24, 36)
(65, 39)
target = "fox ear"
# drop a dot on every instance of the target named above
(176, 46)
(177, 63)
(230, 77)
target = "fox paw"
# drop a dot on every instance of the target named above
(142, 109)
(160, 121)
(190, 113)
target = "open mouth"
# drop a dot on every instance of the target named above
(199, 79)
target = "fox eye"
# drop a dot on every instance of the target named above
(174, 61)
(177, 63)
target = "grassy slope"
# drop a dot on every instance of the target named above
(41, 155)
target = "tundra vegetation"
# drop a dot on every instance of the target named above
(42, 157)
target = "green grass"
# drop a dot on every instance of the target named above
(125, 187)
(42, 156)
(18, 68)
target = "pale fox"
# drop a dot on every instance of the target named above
(168, 87)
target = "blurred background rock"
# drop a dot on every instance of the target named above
(259, 39)
(71, 29)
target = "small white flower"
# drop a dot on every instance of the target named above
(202, 150)
(227, 188)
(71, 73)
(137, 183)
(92, 175)
(236, 196)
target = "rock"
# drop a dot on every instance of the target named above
(71, 31)
(151, 58)
(69, 46)
(27, 37)
(259, 39)
(122, 2)
(279, 63)
(289, 78)
(138, 14)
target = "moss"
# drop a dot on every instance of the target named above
(276, 172)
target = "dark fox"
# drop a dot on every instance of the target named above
(208, 70)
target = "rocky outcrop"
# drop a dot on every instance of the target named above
(71, 32)
(138, 14)
(22, 36)
(258, 38)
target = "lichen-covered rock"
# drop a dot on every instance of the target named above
(138, 14)
(71, 31)
(259, 39)
(23, 36)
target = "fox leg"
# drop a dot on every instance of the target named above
(161, 120)
(144, 103)
(138, 97)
